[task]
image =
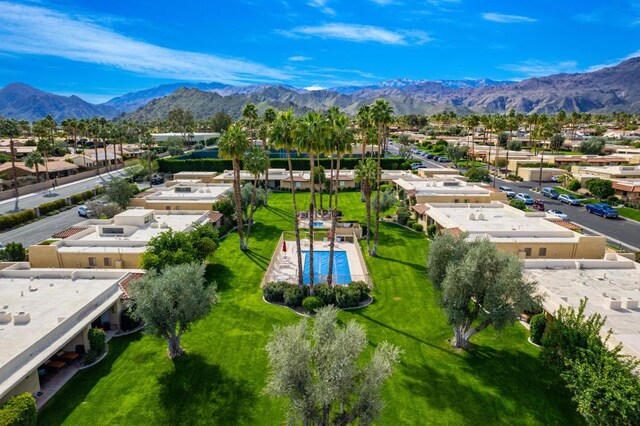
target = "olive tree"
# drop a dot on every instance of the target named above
(479, 285)
(320, 372)
(170, 301)
(119, 191)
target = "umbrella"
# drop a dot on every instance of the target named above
(284, 246)
(330, 233)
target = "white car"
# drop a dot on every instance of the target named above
(558, 213)
(555, 178)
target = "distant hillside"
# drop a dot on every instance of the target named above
(23, 102)
(134, 100)
(401, 83)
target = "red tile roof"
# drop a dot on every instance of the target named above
(629, 187)
(566, 224)
(124, 284)
(419, 208)
(69, 232)
(214, 216)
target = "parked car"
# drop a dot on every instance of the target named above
(416, 166)
(538, 204)
(569, 199)
(84, 211)
(430, 156)
(550, 192)
(555, 178)
(510, 193)
(2, 246)
(602, 209)
(443, 160)
(524, 197)
(157, 180)
(558, 213)
(435, 158)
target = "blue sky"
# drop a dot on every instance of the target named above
(101, 49)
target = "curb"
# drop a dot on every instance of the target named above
(106, 352)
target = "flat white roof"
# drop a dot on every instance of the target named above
(60, 303)
(191, 193)
(499, 221)
(566, 282)
(447, 186)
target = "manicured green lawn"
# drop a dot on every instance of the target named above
(629, 213)
(221, 378)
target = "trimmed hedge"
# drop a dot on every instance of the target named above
(12, 220)
(52, 206)
(81, 197)
(537, 326)
(19, 410)
(173, 165)
(312, 303)
(342, 296)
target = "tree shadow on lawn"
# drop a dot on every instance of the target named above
(75, 391)
(512, 385)
(196, 392)
(284, 214)
(261, 232)
(422, 268)
(221, 274)
(261, 261)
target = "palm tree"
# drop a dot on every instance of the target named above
(148, 142)
(256, 162)
(10, 128)
(364, 123)
(311, 135)
(268, 118)
(233, 144)
(45, 129)
(105, 134)
(250, 114)
(381, 113)
(34, 159)
(283, 135)
(341, 140)
(365, 175)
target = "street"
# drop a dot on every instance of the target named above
(618, 231)
(42, 229)
(37, 198)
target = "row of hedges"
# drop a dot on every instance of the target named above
(342, 296)
(20, 410)
(52, 206)
(173, 165)
(8, 221)
(81, 197)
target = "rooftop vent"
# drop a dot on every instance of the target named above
(472, 216)
(5, 316)
(20, 318)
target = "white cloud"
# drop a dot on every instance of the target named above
(537, 68)
(322, 6)
(299, 58)
(41, 31)
(613, 62)
(314, 88)
(363, 33)
(506, 19)
(383, 2)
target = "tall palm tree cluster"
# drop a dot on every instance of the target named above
(330, 135)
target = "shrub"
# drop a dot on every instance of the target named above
(362, 288)
(91, 357)
(293, 296)
(97, 338)
(537, 326)
(127, 322)
(417, 227)
(477, 174)
(326, 293)
(410, 223)
(347, 297)
(600, 188)
(404, 214)
(518, 204)
(312, 303)
(19, 410)
(274, 292)
(574, 185)
(81, 197)
(52, 206)
(612, 200)
(12, 220)
(13, 252)
(431, 230)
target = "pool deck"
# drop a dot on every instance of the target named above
(284, 266)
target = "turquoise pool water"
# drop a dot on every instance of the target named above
(341, 272)
(317, 224)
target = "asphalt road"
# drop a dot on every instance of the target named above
(619, 232)
(42, 229)
(37, 198)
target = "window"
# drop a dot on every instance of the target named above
(148, 218)
(112, 231)
(342, 183)
(168, 207)
(527, 251)
(542, 251)
(92, 261)
(107, 261)
(298, 184)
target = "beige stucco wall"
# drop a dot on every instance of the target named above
(169, 205)
(49, 257)
(532, 174)
(474, 199)
(30, 384)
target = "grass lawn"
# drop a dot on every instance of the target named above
(582, 198)
(466, 163)
(629, 213)
(220, 380)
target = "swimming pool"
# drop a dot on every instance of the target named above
(317, 225)
(341, 272)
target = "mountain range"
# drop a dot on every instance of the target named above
(606, 90)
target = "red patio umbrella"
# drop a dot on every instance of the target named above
(284, 246)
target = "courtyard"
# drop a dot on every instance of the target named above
(221, 379)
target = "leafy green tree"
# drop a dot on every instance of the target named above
(221, 121)
(169, 302)
(224, 206)
(455, 152)
(503, 139)
(119, 191)
(514, 145)
(478, 174)
(573, 184)
(592, 146)
(181, 121)
(365, 175)
(10, 128)
(479, 285)
(404, 139)
(600, 188)
(388, 199)
(256, 162)
(176, 248)
(13, 252)
(320, 373)
(556, 142)
(518, 204)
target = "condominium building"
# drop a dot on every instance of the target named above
(113, 243)
(448, 190)
(529, 235)
(182, 196)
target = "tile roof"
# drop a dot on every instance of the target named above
(214, 216)
(69, 231)
(566, 224)
(419, 208)
(124, 284)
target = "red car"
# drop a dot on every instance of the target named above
(538, 205)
